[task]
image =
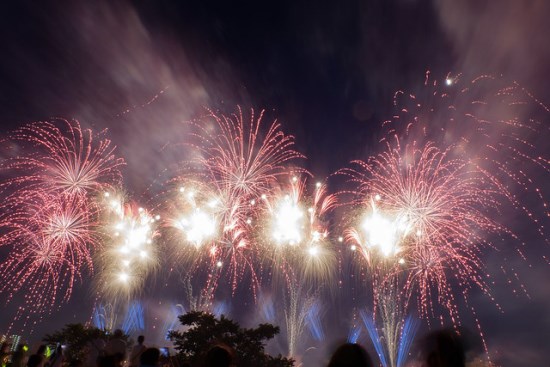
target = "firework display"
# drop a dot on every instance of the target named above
(429, 217)
(48, 212)
(430, 205)
(216, 201)
(241, 213)
(129, 255)
(296, 233)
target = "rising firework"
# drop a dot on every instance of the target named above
(298, 304)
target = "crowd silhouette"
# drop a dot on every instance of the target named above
(443, 348)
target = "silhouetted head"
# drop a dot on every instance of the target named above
(5, 347)
(444, 348)
(107, 361)
(219, 356)
(34, 360)
(118, 334)
(150, 357)
(75, 363)
(42, 350)
(141, 338)
(350, 355)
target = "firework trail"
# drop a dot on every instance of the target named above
(134, 320)
(298, 304)
(392, 340)
(171, 322)
(314, 321)
(215, 205)
(104, 316)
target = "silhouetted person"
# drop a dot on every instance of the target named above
(76, 363)
(19, 356)
(96, 349)
(350, 355)
(41, 353)
(57, 358)
(108, 361)
(117, 346)
(444, 348)
(137, 350)
(5, 353)
(150, 357)
(34, 361)
(219, 356)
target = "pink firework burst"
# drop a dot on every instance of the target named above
(50, 248)
(497, 124)
(60, 158)
(216, 206)
(425, 216)
(40, 271)
(48, 209)
(241, 157)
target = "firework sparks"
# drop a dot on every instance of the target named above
(49, 217)
(237, 163)
(131, 255)
(60, 158)
(297, 236)
(431, 221)
(486, 120)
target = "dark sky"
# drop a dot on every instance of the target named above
(326, 69)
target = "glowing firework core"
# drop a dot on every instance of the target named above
(288, 224)
(198, 227)
(384, 232)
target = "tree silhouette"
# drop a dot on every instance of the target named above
(77, 338)
(205, 330)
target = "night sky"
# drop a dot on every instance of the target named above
(327, 70)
